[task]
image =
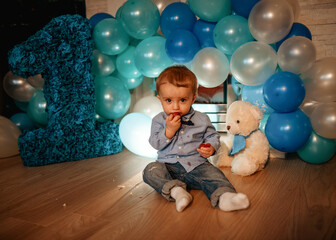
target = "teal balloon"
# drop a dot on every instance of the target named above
(140, 18)
(317, 149)
(126, 65)
(37, 108)
(102, 64)
(230, 33)
(113, 99)
(23, 121)
(110, 37)
(210, 10)
(130, 83)
(151, 57)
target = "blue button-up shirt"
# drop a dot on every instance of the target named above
(182, 147)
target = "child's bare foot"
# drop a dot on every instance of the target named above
(233, 201)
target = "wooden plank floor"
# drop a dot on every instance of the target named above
(105, 198)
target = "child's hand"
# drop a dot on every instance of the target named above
(173, 123)
(206, 151)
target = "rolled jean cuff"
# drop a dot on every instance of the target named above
(217, 193)
(169, 185)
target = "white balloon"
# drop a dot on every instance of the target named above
(134, 131)
(150, 105)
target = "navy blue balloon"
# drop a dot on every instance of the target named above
(23, 121)
(176, 15)
(182, 45)
(284, 91)
(243, 7)
(203, 30)
(288, 132)
(298, 29)
(96, 18)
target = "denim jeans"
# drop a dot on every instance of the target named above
(164, 176)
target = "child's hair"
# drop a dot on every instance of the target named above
(179, 76)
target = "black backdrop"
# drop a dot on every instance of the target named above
(21, 19)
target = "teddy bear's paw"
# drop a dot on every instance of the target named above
(233, 201)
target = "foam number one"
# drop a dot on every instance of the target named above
(61, 52)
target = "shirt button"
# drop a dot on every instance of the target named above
(182, 132)
(179, 147)
(189, 163)
(167, 141)
(177, 157)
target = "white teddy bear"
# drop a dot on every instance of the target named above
(247, 148)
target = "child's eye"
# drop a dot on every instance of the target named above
(168, 100)
(238, 121)
(183, 100)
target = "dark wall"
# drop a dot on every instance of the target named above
(21, 19)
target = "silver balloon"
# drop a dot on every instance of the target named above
(253, 63)
(296, 54)
(210, 66)
(323, 119)
(270, 21)
(295, 7)
(17, 87)
(9, 134)
(36, 81)
(308, 106)
(320, 80)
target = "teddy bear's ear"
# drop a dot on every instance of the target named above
(256, 112)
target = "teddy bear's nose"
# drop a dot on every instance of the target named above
(228, 127)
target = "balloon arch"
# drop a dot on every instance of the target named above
(270, 55)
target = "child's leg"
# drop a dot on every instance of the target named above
(157, 176)
(217, 187)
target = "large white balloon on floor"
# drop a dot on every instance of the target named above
(149, 105)
(9, 134)
(134, 131)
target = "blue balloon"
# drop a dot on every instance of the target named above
(23, 121)
(176, 15)
(96, 18)
(254, 95)
(298, 29)
(288, 132)
(284, 91)
(203, 30)
(182, 45)
(243, 7)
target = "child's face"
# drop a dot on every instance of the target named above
(176, 99)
